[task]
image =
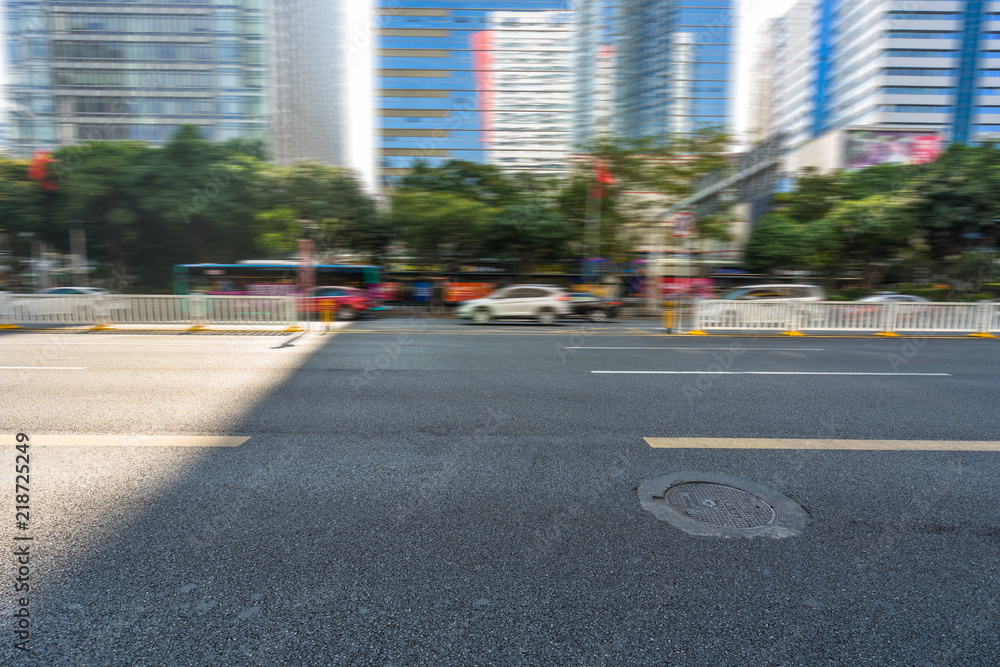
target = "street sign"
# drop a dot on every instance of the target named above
(683, 223)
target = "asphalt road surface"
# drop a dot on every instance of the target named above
(425, 492)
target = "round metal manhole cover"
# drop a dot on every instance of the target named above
(720, 505)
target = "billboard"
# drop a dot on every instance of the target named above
(867, 148)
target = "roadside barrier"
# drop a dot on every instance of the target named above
(795, 318)
(105, 311)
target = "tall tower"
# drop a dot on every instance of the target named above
(881, 64)
(594, 56)
(122, 70)
(308, 97)
(446, 91)
(675, 66)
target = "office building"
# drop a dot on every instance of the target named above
(308, 96)
(125, 70)
(593, 69)
(913, 69)
(674, 66)
(524, 90)
(122, 70)
(482, 81)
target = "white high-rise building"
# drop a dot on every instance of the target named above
(525, 88)
(905, 67)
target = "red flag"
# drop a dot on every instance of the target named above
(602, 173)
(38, 170)
(603, 177)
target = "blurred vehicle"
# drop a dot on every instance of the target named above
(593, 307)
(350, 303)
(72, 302)
(892, 297)
(75, 290)
(539, 302)
(871, 306)
(773, 292)
(770, 312)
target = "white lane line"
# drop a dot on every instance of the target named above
(731, 349)
(136, 440)
(42, 368)
(764, 373)
(792, 443)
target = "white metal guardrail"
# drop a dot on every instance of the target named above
(793, 317)
(131, 309)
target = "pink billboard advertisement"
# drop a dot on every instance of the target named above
(867, 148)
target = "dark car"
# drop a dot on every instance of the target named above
(593, 307)
(349, 303)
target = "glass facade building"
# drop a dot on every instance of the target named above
(674, 66)
(594, 69)
(309, 56)
(486, 81)
(923, 64)
(133, 70)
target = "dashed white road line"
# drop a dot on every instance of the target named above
(730, 349)
(765, 373)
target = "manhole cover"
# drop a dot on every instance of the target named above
(720, 505)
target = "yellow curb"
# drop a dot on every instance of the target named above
(981, 335)
(9, 326)
(197, 327)
(696, 332)
(293, 329)
(792, 333)
(887, 334)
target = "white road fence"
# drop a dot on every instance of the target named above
(138, 309)
(847, 317)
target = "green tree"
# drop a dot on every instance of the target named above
(778, 242)
(441, 227)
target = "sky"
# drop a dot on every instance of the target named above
(360, 82)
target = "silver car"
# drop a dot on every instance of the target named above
(543, 303)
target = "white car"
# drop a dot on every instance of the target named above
(768, 310)
(539, 302)
(776, 292)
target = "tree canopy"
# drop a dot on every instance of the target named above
(878, 221)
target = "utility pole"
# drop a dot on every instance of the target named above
(78, 250)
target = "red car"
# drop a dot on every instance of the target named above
(350, 303)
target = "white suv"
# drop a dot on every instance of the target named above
(774, 292)
(540, 302)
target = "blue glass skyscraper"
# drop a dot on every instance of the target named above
(485, 81)
(674, 66)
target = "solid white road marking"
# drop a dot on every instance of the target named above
(766, 373)
(792, 443)
(42, 440)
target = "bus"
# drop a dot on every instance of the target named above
(269, 278)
